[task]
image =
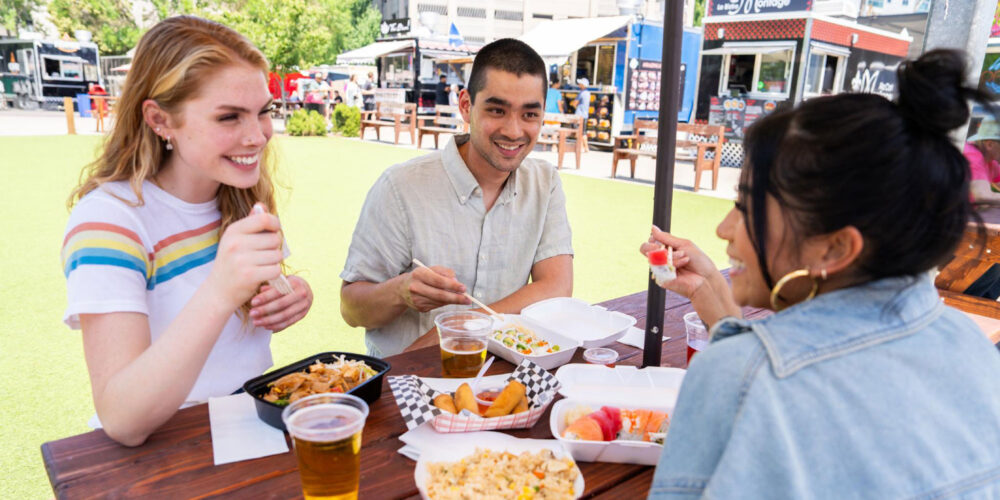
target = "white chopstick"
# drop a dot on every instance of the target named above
(473, 299)
(280, 283)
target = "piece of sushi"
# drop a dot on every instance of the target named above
(643, 425)
(585, 429)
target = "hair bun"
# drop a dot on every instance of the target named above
(932, 91)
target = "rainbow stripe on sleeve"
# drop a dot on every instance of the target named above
(98, 243)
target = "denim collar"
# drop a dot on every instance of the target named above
(461, 177)
(844, 321)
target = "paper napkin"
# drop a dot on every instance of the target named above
(237, 433)
(636, 337)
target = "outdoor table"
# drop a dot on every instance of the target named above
(176, 460)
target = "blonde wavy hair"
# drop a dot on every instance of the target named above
(172, 61)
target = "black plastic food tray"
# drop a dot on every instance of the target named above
(369, 390)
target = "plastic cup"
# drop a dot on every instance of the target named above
(601, 356)
(464, 336)
(326, 436)
(697, 334)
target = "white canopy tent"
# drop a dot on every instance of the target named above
(556, 40)
(366, 55)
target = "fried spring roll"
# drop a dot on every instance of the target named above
(522, 405)
(507, 400)
(445, 402)
(465, 399)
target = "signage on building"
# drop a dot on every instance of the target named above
(642, 91)
(393, 27)
(743, 7)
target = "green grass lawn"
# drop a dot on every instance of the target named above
(46, 394)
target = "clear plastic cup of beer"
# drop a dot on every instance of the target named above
(326, 436)
(464, 336)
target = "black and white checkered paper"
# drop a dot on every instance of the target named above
(416, 399)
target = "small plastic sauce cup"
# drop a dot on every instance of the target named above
(486, 396)
(601, 356)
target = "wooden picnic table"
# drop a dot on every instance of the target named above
(176, 461)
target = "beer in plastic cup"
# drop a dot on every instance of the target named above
(326, 435)
(464, 336)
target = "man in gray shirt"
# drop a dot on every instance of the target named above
(479, 212)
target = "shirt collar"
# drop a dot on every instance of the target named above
(847, 320)
(461, 177)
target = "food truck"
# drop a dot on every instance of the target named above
(408, 63)
(43, 72)
(759, 56)
(620, 57)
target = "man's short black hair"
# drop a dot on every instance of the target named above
(443, 76)
(506, 54)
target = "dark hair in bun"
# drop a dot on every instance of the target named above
(887, 168)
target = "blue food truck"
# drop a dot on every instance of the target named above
(620, 58)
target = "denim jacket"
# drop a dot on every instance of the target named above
(875, 391)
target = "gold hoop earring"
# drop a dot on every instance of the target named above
(801, 273)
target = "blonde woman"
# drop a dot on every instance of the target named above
(163, 259)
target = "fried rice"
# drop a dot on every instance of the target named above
(490, 474)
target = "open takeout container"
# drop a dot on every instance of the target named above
(369, 390)
(455, 451)
(415, 399)
(567, 345)
(626, 387)
(591, 326)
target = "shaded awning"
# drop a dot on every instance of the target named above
(749, 48)
(368, 53)
(556, 40)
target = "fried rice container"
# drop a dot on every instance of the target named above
(369, 390)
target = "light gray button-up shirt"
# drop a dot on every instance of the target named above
(431, 208)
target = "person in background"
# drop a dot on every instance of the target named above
(441, 92)
(553, 99)
(165, 263)
(317, 93)
(453, 94)
(353, 92)
(368, 93)
(461, 210)
(370, 82)
(863, 384)
(982, 150)
(336, 98)
(581, 104)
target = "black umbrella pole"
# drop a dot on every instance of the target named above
(666, 144)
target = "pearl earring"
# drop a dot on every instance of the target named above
(169, 146)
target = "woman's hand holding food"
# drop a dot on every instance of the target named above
(275, 311)
(697, 277)
(249, 254)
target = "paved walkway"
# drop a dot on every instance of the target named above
(596, 163)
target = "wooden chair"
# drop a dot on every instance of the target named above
(642, 142)
(559, 129)
(447, 120)
(972, 258)
(400, 116)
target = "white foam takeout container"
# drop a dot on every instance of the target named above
(593, 326)
(453, 450)
(626, 387)
(548, 361)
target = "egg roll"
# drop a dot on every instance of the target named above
(465, 399)
(522, 405)
(446, 403)
(507, 400)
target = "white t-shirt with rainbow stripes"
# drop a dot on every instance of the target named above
(150, 259)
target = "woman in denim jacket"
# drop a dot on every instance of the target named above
(863, 385)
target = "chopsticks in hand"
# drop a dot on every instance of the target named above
(280, 283)
(470, 297)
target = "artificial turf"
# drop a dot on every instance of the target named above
(46, 391)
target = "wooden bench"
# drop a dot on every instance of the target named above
(400, 116)
(446, 120)
(642, 142)
(972, 258)
(559, 129)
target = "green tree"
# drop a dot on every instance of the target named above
(16, 14)
(110, 21)
(699, 11)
